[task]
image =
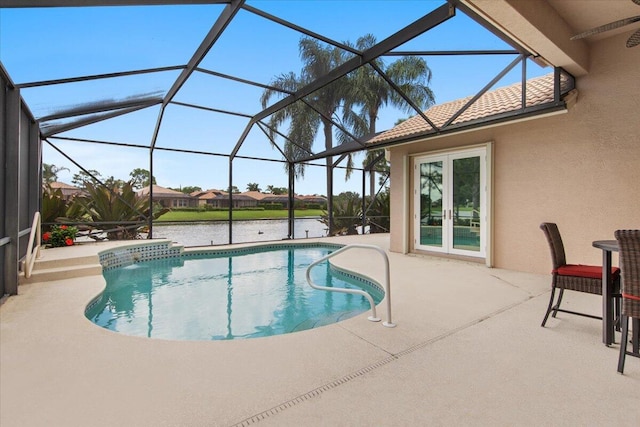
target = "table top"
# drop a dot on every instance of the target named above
(607, 245)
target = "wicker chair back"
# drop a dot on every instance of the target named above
(629, 252)
(558, 257)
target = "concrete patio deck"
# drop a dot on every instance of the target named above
(468, 349)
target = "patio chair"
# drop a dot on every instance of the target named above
(629, 249)
(574, 277)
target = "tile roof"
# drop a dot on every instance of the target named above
(501, 100)
(159, 191)
(209, 194)
(255, 194)
(62, 185)
(241, 196)
(205, 195)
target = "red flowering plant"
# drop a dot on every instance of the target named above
(60, 235)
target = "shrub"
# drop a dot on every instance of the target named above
(315, 206)
(272, 206)
(119, 206)
(53, 205)
(347, 214)
(60, 235)
(379, 213)
(189, 209)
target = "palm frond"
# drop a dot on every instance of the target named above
(412, 75)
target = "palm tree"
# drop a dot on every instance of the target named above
(410, 73)
(371, 92)
(253, 186)
(50, 173)
(364, 88)
(304, 123)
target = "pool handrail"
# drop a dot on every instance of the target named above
(387, 287)
(33, 247)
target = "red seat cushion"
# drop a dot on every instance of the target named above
(589, 271)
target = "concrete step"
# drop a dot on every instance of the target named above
(45, 263)
(62, 272)
(62, 263)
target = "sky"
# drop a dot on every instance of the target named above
(39, 44)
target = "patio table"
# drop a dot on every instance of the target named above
(608, 321)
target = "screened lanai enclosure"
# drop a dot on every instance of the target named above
(220, 96)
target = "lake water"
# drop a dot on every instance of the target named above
(217, 233)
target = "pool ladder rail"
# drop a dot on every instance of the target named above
(387, 288)
(33, 246)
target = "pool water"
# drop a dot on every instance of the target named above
(212, 297)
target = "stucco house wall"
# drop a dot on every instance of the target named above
(580, 169)
(169, 198)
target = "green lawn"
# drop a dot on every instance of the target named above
(224, 215)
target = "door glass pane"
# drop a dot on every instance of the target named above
(431, 203)
(466, 204)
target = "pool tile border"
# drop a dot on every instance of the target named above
(139, 252)
(148, 251)
(364, 281)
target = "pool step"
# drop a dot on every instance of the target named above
(49, 268)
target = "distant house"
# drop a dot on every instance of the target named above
(257, 195)
(220, 199)
(243, 201)
(211, 198)
(168, 198)
(281, 199)
(265, 198)
(68, 191)
(249, 199)
(314, 199)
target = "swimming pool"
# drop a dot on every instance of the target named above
(226, 295)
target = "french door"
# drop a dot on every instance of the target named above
(450, 202)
